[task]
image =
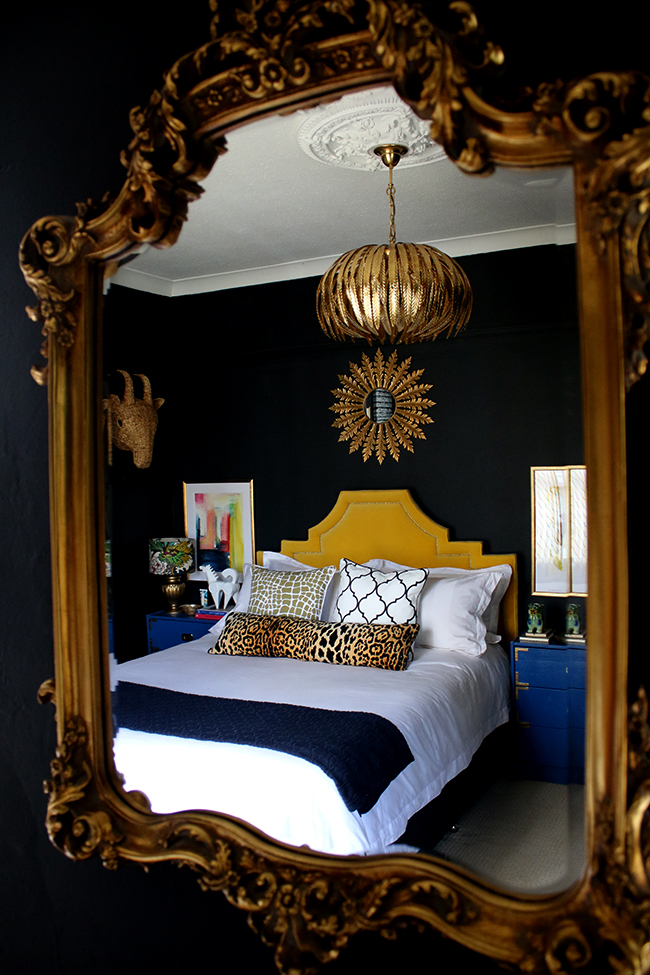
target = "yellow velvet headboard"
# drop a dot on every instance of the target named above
(389, 525)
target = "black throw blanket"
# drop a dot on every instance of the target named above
(361, 752)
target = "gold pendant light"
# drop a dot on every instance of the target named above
(393, 292)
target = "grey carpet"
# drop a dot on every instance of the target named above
(523, 836)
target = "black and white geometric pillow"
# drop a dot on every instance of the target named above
(369, 596)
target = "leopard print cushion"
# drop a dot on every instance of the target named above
(246, 635)
(354, 644)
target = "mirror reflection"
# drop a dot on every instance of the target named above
(379, 405)
(246, 377)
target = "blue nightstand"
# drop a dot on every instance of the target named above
(165, 630)
(549, 685)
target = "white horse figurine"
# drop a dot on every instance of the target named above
(223, 586)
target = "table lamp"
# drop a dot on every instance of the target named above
(171, 558)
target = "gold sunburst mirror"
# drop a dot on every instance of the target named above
(381, 406)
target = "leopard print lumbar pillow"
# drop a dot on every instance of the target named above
(246, 635)
(354, 644)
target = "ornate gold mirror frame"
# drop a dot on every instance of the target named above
(262, 58)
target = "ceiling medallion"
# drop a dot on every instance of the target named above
(381, 406)
(393, 292)
(346, 132)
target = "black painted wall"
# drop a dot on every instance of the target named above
(69, 74)
(247, 376)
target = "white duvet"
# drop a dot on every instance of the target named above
(444, 704)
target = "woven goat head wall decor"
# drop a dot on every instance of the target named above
(132, 422)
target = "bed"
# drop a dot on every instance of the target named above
(372, 714)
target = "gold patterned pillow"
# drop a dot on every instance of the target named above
(289, 593)
(354, 644)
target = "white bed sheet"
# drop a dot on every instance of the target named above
(444, 704)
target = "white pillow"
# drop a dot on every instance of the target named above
(282, 563)
(368, 595)
(459, 608)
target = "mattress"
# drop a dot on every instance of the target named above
(444, 704)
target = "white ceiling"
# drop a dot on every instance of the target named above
(272, 212)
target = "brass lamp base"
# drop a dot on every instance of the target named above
(173, 589)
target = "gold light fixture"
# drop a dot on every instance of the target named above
(393, 292)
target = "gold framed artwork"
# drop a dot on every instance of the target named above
(559, 530)
(219, 517)
(269, 57)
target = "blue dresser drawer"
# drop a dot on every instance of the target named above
(544, 746)
(542, 667)
(545, 706)
(577, 747)
(577, 706)
(577, 667)
(165, 630)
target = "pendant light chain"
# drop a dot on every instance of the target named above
(393, 292)
(390, 192)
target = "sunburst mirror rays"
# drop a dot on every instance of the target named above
(381, 406)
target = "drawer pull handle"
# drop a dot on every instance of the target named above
(186, 637)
